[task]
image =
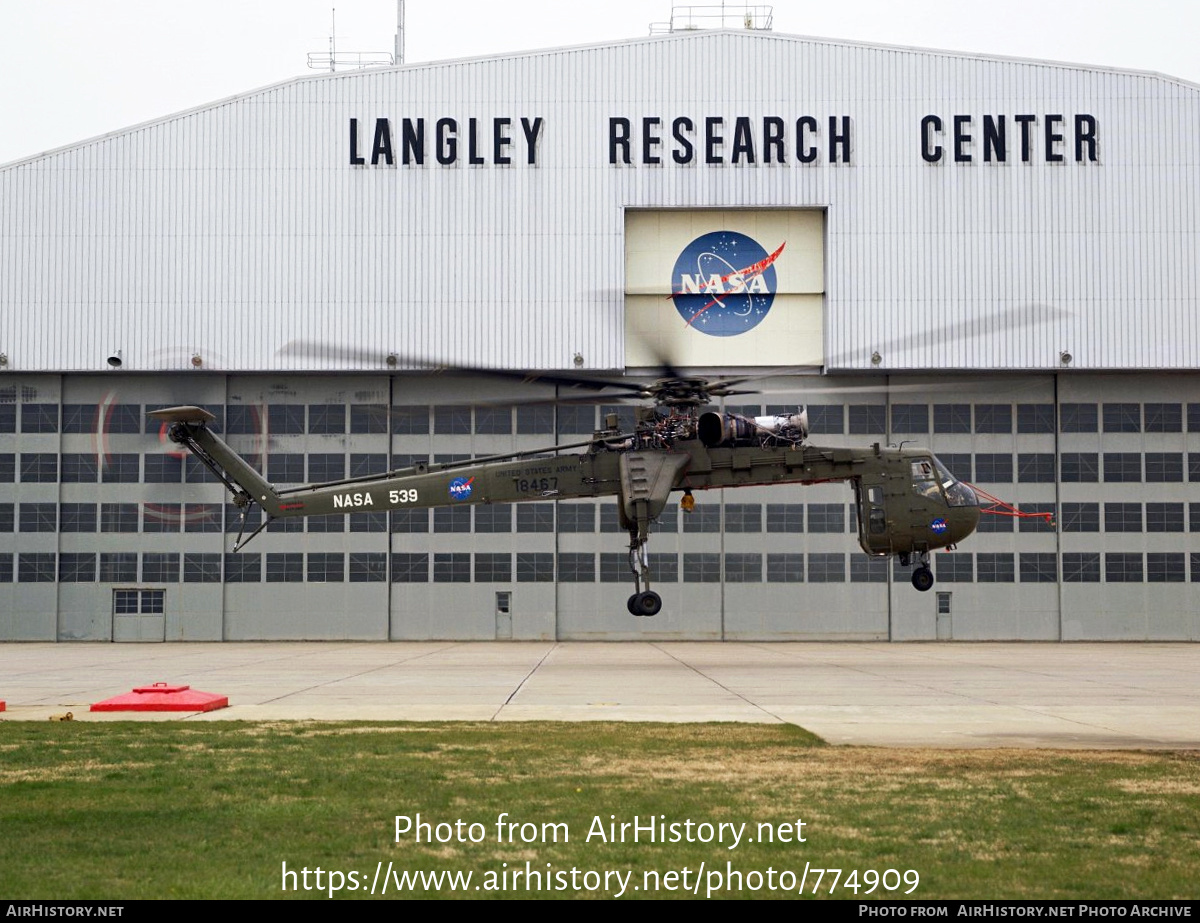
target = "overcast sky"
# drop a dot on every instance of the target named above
(73, 69)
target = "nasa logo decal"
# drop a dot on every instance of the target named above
(938, 526)
(460, 488)
(724, 283)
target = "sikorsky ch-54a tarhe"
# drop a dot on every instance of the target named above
(908, 502)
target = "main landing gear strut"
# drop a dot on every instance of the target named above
(643, 602)
(646, 481)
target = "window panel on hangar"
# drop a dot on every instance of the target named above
(369, 522)
(952, 418)
(826, 419)
(995, 522)
(408, 567)
(201, 567)
(39, 418)
(410, 520)
(39, 468)
(826, 567)
(993, 418)
(77, 567)
(865, 568)
(37, 567)
(369, 419)
(80, 418)
(162, 469)
(368, 567)
(701, 567)
(1081, 567)
(493, 421)
(1039, 567)
(1081, 517)
(958, 464)
(535, 567)
(326, 567)
(743, 567)
(1078, 418)
(119, 517)
(1035, 418)
(1036, 523)
(77, 517)
(910, 418)
(1122, 517)
(1080, 467)
(39, 517)
(1164, 517)
(160, 567)
(785, 567)
(452, 567)
(868, 419)
(493, 567)
(1163, 418)
(785, 517)
(285, 419)
(452, 420)
(576, 567)
(162, 517)
(118, 566)
(1035, 467)
(333, 522)
(953, 567)
(121, 468)
(1164, 467)
(994, 467)
(1165, 567)
(327, 419)
(1123, 567)
(1122, 467)
(994, 567)
(1122, 418)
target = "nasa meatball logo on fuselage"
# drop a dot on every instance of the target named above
(724, 283)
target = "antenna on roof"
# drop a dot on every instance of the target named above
(332, 59)
(724, 16)
(399, 31)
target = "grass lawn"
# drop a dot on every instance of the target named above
(215, 809)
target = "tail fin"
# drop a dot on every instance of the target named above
(189, 427)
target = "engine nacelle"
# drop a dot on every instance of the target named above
(730, 429)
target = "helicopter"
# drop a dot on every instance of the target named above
(908, 502)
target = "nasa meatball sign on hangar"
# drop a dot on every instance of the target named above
(994, 258)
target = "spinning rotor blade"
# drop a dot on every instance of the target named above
(308, 349)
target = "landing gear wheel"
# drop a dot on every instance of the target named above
(922, 578)
(647, 604)
(632, 605)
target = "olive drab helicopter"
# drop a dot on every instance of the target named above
(908, 503)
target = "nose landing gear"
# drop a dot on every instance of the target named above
(922, 576)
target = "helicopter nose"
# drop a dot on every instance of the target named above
(965, 523)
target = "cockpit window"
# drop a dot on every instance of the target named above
(925, 480)
(957, 493)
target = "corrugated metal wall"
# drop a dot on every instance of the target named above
(241, 233)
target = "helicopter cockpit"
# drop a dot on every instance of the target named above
(933, 480)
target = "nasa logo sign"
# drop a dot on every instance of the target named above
(724, 283)
(938, 526)
(460, 488)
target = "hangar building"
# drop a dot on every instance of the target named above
(996, 258)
